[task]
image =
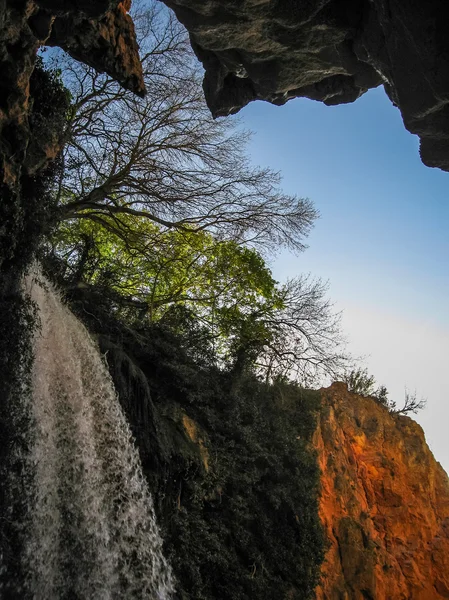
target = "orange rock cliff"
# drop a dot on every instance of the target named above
(384, 504)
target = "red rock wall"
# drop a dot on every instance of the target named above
(384, 504)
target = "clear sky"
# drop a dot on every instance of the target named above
(382, 238)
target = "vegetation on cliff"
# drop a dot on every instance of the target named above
(158, 204)
(183, 314)
(228, 457)
(360, 382)
(193, 325)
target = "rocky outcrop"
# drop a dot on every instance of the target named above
(384, 504)
(98, 32)
(327, 50)
(107, 44)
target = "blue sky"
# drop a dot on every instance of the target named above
(381, 240)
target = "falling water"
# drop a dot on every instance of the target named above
(92, 533)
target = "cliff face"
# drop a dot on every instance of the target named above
(327, 50)
(255, 485)
(384, 504)
(98, 32)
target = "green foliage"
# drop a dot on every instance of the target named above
(219, 281)
(160, 208)
(360, 382)
(178, 277)
(256, 510)
(247, 528)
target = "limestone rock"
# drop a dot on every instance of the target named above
(384, 504)
(107, 44)
(99, 32)
(327, 50)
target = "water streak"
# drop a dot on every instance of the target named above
(92, 532)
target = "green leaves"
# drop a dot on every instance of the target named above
(221, 282)
(189, 279)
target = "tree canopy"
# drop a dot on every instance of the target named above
(227, 288)
(159, 206)
(163, 158)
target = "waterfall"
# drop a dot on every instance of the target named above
(91, 532)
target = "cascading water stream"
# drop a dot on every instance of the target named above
(92, 532)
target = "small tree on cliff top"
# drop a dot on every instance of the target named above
(360, 382)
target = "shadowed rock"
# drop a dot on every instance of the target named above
(98, 32)
(327, 50)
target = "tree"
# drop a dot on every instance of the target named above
(168, 276)
(295, 334)
(411, 404)
(155, 270)
(159, 206)
(163, 158)
(359, 382)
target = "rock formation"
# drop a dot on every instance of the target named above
(98, 32)
(248, 478)
(327, 50)
(384, 504)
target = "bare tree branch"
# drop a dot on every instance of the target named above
(163, 157)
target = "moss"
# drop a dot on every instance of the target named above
(17, 322)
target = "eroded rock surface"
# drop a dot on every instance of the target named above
(327, 50)
(384, 504)
(98, 32)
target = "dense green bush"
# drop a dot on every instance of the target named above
(246, 528)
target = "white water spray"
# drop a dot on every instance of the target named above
(92, 533)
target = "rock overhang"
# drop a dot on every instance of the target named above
(332, 51)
